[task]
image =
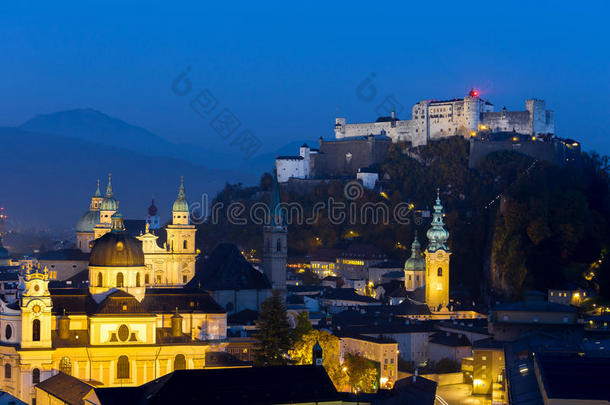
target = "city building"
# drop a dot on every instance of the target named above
(382, 351)
(231, 280)
(169, 251)
(65, 263)
(117, 332)
(447, 345)
(237, 385)
(338, 158)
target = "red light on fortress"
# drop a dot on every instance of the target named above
(474, 93)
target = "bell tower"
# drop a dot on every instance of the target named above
(181, 241)
(437, 260)
(275, 244)
(36, 306)
(107, 209)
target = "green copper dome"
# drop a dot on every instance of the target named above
(437, 234)
(181, 205)
(87, 222)
(109, 203)
(416, 262)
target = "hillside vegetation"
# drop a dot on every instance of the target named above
(515, 223)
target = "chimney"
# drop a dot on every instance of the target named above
(63, 322)
(176, 324)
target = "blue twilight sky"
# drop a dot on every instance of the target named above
(287, 69)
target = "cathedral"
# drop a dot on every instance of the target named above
(120, 330)
(430, 271)
(169, 251)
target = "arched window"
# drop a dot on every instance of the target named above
(185, 245)
(36, 330)
(179, 362)
(7, 371)
(65, 365)
(147, 279)
(35, 376)
(137, 279)
(278, 245)
(119, 280)
(439, 272)
(122, 367)
(8, 332)
(100, 279)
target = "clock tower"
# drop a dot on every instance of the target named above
(36, 309)
(437, 260)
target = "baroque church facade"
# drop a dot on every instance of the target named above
(169, 251)
(116, 332)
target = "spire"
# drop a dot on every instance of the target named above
(181, 205)
(415, 247)
(98, 193)
(152, 210)
(181, 193)
(275, 210)
(437, 234)
(416, 261)
(109, 193)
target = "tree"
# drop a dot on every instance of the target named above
(273, 332)
(361, 373)
(303, 350)
(302, 327)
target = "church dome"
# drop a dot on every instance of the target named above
(108, 204)
(87, 222)
(181, 205)
(117, 248)
(416, 261)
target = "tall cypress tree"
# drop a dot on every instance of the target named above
(273, 332)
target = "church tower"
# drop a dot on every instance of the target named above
(107, 209)
(275, 245)
(415, 267)
(437, 260)
(96, 200)
(181, 241)
(152, 219)
(36, 306)
(84, 227)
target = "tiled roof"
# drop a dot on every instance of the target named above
(68, 389)
(65, 254)
(251, 385)
(449, 339)
(120, 303)
(227, 269)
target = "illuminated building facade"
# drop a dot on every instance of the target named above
(437, 261)
(169, 251)
(117, 332)
(433, 119)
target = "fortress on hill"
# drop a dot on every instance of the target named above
(358, 147)
(433, 119)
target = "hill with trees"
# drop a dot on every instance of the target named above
(515, 223)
